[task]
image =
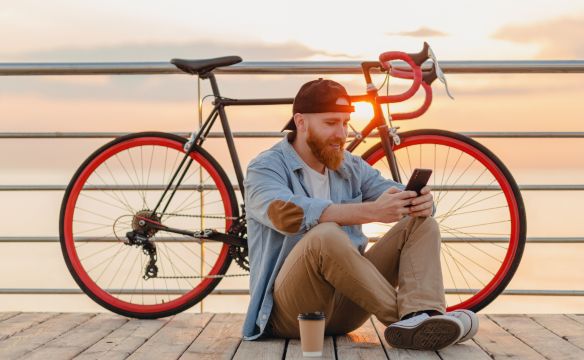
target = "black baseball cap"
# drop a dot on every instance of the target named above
(319, 96)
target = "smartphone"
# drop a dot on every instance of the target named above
(418, 180)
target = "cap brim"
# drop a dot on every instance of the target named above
(291, 125)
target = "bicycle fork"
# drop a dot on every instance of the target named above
(389, 138)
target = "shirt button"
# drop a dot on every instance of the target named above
(264, 316)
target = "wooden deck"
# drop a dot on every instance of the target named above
(217, 336)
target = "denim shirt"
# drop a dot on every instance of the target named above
(279, 211)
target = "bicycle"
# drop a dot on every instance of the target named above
(150, 222)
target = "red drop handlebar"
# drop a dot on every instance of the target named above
(423, 79)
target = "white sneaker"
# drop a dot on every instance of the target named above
(424, 332)
(469, 320)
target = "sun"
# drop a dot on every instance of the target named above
(363, 111)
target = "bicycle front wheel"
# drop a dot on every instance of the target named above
(478, 207)
(111, 194)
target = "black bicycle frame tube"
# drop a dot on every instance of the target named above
(228, 134)
(218, 110)
(204, 129)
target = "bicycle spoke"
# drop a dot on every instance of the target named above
(474, 262)
(470, 212)
(466, 192)
(476, 247)
(451, 276)
(119, 267)
(103, 202)
(97, 252)
(450, 175)
(129, 272)
(482, 224)
(116, 183)
(481, 240)
(464, 267)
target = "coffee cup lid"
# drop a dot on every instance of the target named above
(317, 315)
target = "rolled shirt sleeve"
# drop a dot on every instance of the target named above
(270, 201)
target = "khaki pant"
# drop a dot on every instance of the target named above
(326, 272)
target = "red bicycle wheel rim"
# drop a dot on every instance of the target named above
(507, 189)
(70, 243)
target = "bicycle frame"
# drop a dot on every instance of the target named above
(378, 122)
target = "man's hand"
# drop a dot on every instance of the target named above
(422, 205)
(391, 205)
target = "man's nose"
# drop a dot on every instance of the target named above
(341, 131)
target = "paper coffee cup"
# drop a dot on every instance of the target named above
(311, 333)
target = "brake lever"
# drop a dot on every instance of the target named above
(439, 72)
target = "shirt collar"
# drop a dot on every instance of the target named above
(295, 162)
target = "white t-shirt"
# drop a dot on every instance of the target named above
(317, 183)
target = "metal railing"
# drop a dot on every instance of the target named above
(288, 68)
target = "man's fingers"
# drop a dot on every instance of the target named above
(393, 190)
(421, 207)
(425, 190)
(423, 199)
(407, 194)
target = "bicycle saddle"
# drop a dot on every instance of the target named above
(204, 65)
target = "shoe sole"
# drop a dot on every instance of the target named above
(432, 334)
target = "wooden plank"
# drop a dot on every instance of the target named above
(174, 338)
(7, 315)
(362, 343)
(22, 322)
(401, 354)
(219, 340)
(578, 317)
(500, 344)
(539, 338)
(294, 350)
(32, 338)
(563, 326)
(260, 349)
(466, 350)
(75, 341)
(124, 341)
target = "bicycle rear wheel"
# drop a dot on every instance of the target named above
(478, 206)
(115, 188)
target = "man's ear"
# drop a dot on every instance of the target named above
(300, 122)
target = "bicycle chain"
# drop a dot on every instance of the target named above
(239, 254)
(201, 276)
(199, 216)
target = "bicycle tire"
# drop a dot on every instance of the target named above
(71, 204)
(479, 297)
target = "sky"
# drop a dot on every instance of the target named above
(289, 30)
(90, 31)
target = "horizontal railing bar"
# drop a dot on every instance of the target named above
(85, 239)
(54, 291)
(289, 67)
(276, 134)
(534, 187)
(52, 239)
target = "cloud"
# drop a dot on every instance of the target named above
(158, 51)
(560, 37)
(421, 32)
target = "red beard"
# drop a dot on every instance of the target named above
(321, 149)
